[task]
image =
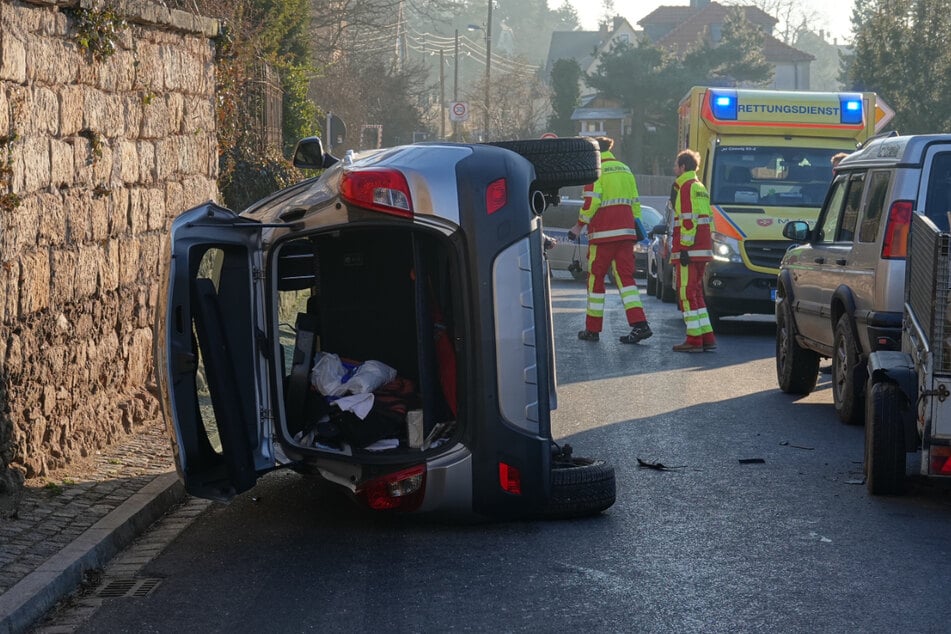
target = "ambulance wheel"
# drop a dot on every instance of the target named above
(797, 369)
(848, 380)
(580, 487)
(559, 162)
(884, 441)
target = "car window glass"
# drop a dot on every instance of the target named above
(829, 217)
(850, 214)
(938, 202)
(874, 204)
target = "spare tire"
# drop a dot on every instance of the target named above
(559, 162)
(580, 487)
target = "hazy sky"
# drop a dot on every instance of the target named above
(833, 15)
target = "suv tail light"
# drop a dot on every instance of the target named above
(941, 461)
(495, 196)
(510, 478)
(401, 491)
(378, 188)
(895, 245)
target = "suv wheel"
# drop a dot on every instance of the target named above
(559, 162)
(797, 369)
(884, 442)
(580, 487)
(848, 386)
(651, 283)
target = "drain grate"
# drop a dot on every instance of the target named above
(139, 588)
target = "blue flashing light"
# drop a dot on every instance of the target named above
(850, 111)
(723, 104)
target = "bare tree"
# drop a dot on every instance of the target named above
(793, 17)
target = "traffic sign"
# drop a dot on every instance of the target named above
(549, 135)
(459, 111)
(883, 114)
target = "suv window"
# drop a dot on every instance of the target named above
(874, 205)
(939, 191)
(850, 214)
(829, 217)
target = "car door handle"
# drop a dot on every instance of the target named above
(820, 260)
(841, 261)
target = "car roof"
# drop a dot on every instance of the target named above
(893, 151)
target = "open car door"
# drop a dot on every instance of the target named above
(211, 353)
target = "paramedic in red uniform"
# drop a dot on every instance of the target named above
(692, 249)
(610, 210)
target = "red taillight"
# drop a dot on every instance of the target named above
(402, 490)
(496, 195)
(895, 245)
(378, 188)
(510, 479)
(941, 461)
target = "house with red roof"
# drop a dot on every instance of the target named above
(677, 29)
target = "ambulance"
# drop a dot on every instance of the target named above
(765, 157)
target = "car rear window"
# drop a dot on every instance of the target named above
(874, 203)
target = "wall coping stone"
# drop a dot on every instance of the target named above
(145, 12)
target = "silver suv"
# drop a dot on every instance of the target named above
(840, 291)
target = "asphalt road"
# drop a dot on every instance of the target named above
(790, 542)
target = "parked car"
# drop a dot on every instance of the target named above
(386, 326)
(567, 255)
(840, 291)
(660, 277)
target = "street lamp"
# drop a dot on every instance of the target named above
(488, 66)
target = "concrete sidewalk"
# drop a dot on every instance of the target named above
(77, 520)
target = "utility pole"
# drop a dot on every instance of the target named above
(488, 66)
(455, 85)
(442, 97)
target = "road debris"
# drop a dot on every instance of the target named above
(657, 466)
(752, 461)
(786, 443)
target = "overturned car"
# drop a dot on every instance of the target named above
(386, 325)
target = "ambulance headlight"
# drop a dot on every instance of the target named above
(723, 104)
(850, 110)
(726, 249)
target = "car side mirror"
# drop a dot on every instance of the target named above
(659, 230)
(309, 154)
(796, 230)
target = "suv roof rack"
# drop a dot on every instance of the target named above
(880, 135)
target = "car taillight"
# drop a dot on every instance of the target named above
(895, 245)
(403, 490)
(510, 478)
(940, 460)
(378, 188)
(496, 195)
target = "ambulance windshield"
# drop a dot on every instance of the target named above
(771, 176)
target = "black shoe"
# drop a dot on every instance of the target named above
(639, 332)
(587, 335)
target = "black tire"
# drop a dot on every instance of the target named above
(580, 487)
(797, 369)
(884, 440)
(668, 294)
(559, 162)
(651, 285)
(848, 382)
(714, 318)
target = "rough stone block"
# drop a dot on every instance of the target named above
(61, 163)
(63, 275)
(12, 56)
(155, 208)
(128, 260)
(70, 110)
(109, 267)
(36, 163)
(127, 157)
(34, 282)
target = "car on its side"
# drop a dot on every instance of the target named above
(567, 255)
(840, 289)
(385, 326)
(660, 277)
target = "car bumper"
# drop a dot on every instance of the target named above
(732, 289)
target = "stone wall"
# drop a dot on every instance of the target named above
(96, 158)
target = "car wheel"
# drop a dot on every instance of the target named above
(848, 385)
(884, 440)
(559, 162)
(668, 293)
(651, 284)
(659, 282)
(714, 318)
(797, 369)
(580, 487)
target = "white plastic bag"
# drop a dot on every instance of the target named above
(327, 375)
(371, 375)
